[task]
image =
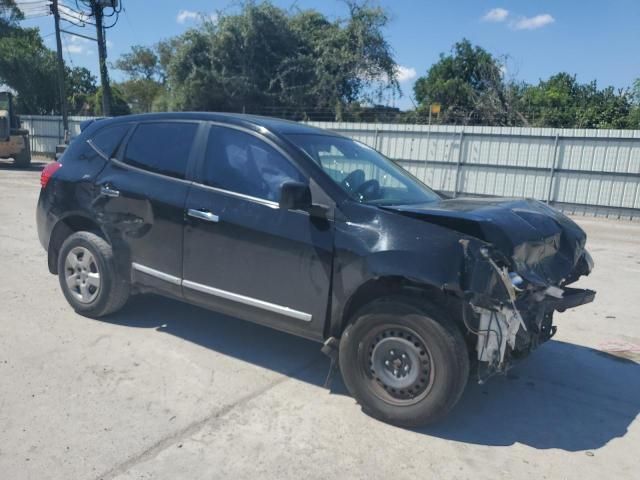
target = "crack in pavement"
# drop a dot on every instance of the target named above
(194, 427)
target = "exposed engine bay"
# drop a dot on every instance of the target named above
(516, 276)
(504, 333)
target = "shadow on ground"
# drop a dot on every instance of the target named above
(35, 166)
(564, 396)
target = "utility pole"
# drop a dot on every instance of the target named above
(96, 7)
(61, 86)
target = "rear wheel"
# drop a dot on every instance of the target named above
(89, 277)
(23, 159)
(404, 362)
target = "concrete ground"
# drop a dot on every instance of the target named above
(163, 390)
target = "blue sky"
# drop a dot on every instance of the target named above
(593, 39)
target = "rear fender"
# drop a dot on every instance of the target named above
(77, 222)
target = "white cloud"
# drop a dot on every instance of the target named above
(531, 23)
(77, 45)
(405, 74)
(185, 16)
(75, 49)
(496, 15)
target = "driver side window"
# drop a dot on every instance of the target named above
(358, 176)
(242, 163)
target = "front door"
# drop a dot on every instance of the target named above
(243, 255)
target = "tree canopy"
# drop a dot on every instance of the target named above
(265, 58)
(470, 85)
(28, 67)
(561, 101)
(300, 64)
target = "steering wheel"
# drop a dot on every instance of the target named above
(369, 190)
(354, 180)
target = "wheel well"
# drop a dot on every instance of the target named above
(398, 287)
(62, 230)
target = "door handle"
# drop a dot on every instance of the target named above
(203, 215)
(107, 191)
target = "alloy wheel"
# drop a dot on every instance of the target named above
(82, 275)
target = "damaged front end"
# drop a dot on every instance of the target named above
(510, 315)
(520, 256)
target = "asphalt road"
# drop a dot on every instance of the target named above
(164, 390)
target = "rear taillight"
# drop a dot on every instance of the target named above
(48, 172)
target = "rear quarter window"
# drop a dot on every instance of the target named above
(161, 147)
(99, 146)
(107, 140)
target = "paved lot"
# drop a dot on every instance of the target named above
(164, 390)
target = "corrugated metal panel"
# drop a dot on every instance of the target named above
(47, 131)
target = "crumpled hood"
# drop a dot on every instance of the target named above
(545, 246)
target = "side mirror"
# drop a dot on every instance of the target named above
(295, 196)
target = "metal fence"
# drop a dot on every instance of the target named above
(46, 131)
(591, 172)
(594, 172)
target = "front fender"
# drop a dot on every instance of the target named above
(377, 244)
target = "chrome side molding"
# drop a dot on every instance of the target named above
(156, 273)
(234, 297)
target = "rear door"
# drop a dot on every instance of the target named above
(140, 199)
(245, 256)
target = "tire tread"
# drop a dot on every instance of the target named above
(448, 333)
(119, 288)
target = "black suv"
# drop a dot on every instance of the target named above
(315, 234)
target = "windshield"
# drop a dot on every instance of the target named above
(364, 174)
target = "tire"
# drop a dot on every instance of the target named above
(92, 255)
(370, 356)
(23, 159)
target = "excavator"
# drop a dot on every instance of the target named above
(14, 140)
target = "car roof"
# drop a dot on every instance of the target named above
(275, 125)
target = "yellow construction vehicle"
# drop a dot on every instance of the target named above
(14, 140)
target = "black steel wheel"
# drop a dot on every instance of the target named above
(399, 365)
(404, 362)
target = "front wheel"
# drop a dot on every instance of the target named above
(406, 364)
(89, 277)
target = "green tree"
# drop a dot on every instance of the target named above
(140, 94)
(634, 114)
(29, 67)
(141, 63)
(561, 101)
(10, 14)
(145, 78)
(26, 65)
(119, 105)
(81, 87)
(265, 59)
(468, 84)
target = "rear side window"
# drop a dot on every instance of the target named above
(107, 140)
(242, 163)
(161, 147)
